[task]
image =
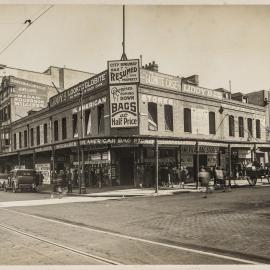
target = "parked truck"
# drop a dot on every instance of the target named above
(21, 179)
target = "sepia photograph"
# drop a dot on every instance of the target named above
(134, 133)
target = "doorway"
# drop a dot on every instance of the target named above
(126, 171)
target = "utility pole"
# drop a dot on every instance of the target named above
(230, 88)
(82, 186)
(123, 57)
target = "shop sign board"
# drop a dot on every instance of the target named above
(96, 82)
(44, 168)
(42, 149)
(124, 106)
(202, 149)
(123, 72)
(200, 91)
(116, 141)
(157, 79)
(66, 145)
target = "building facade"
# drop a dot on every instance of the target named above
(109, 129)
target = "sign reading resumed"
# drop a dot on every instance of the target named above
(123, 72)
(123, 106)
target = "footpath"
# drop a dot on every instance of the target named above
(127, 191)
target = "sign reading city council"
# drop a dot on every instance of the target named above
(123, 106)
(123, 71)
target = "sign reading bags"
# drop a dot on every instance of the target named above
(123, 106)
(123, 71)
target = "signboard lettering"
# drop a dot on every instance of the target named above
(91, 104)
(155, 99)
(123, 71)
(124, 106)
(160, 80)
(91, 84)
(192, 89)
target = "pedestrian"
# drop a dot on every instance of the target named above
(204, 178)
(183, 176)
(59, 181)
(69, 181)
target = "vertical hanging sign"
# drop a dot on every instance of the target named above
(123, 80)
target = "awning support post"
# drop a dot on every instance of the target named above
(156, 166)
(197, 164)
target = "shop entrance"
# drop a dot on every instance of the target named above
(126, 170)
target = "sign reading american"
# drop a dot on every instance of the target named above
(123, 71)
(124, 106)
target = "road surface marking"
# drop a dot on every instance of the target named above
(206, 253)
(76, 251)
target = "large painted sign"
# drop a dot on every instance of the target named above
(160, 80)
(124, 106)
(29, 94)
(196, 90)
(123, 72)
(96, 82)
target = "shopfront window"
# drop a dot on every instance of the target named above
(231, 126)
(152, 116)
(258, 129)
(249, 124)
(15, 141)
(241, 127)
(55, 125)
(87, 123)
(212, 123)
(100, 111)
(32, 136)
(20, 140)
(187, 120)
(45, 131)
(168, 115)
(25, 138)
(38, 135)
(64, 128)
(75, 125)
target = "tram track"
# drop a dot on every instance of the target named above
(237, 258)
(64, 247)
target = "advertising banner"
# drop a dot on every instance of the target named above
(123, 71)
(44, 168)
(124, 106)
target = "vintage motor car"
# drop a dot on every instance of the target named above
(3, 179)
(21, 179)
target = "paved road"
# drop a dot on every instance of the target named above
(179, 229)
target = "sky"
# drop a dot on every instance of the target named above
(219, 43)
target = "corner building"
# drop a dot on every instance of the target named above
(191, 126)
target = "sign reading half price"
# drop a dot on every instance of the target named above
(123, 72)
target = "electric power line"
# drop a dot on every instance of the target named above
(29, 23)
